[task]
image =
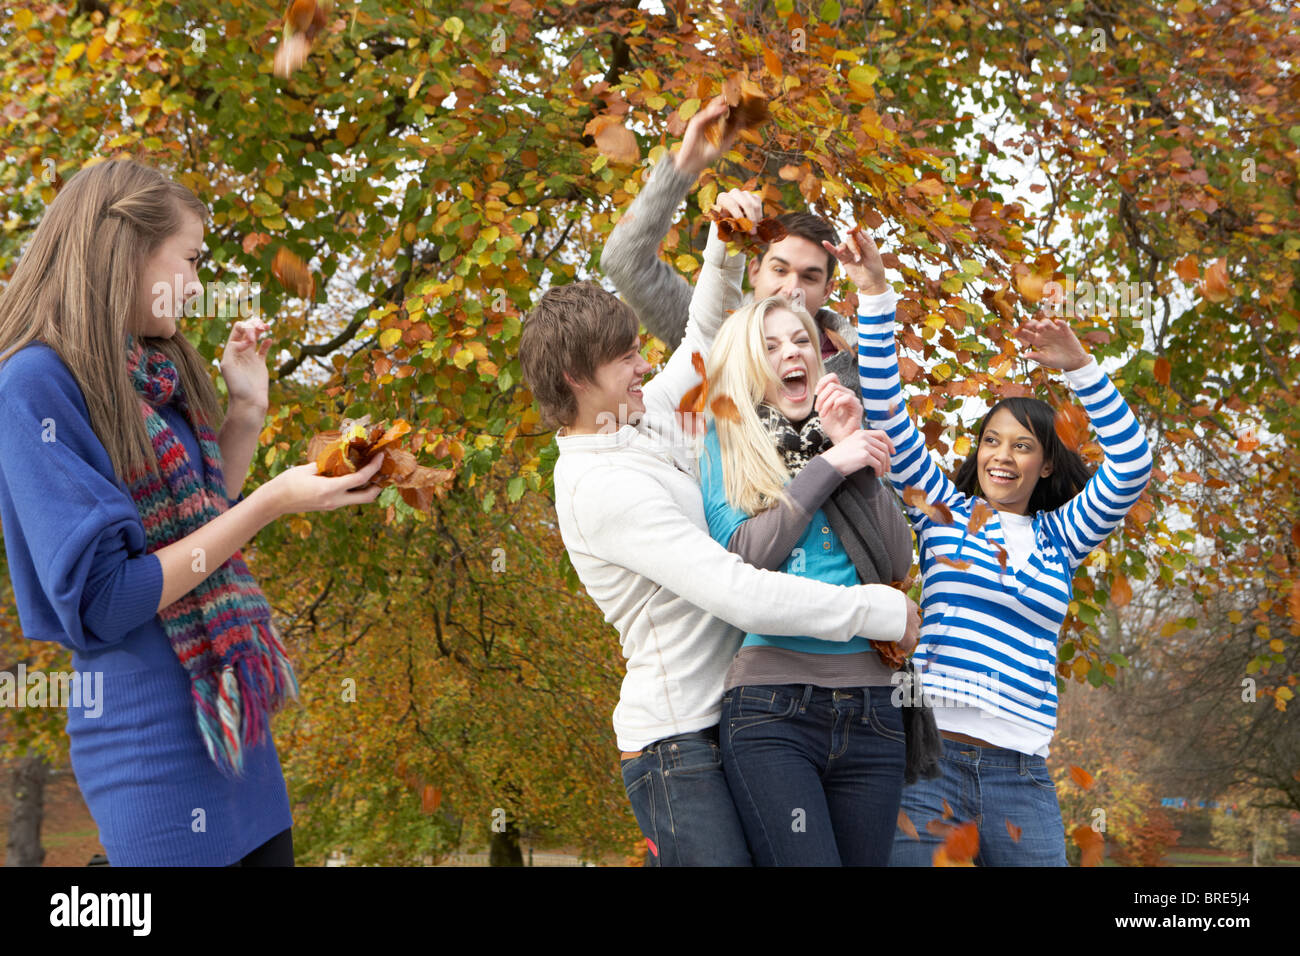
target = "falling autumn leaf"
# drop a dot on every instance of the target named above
(1120, 592)
(907, 826)
(293, 273)
(723, 407)
(1186, 269)
(1162, 370)
(938, 511)
(1247, 438)
(1014, 831)
(1215, 286)
(614, 140)
(947, 810)
(1002, 557)
(961, 844)
(1071, 423)
(1081, 777)
(1090, 842)
(979, 514)
(959, 564)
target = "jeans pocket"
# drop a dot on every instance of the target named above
(698, 755)
(887, 727)
(1040, 778)
(754, 706)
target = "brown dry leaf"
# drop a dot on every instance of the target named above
(696, 399)
(723, 407)
(1090, 842)
(748, 111)
(947, 810)
(959, 564)
(937, 827)
(1002, 558)
(1081, 777)
(614, 140)
(1186, 269)
(356, 442)
(293, 273)
(890, 653)
(1247, 438)
(1120, 591)
(979, 514)
(907, 826)
(1071, 426)
(962, 843)
(938, 511)
(1163, 370)
(1014, 831)
(1215, 286)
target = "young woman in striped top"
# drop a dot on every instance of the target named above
(996, 593)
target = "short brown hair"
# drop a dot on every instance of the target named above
(813, 228)
(573, 329)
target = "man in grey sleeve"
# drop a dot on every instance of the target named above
(796, 265)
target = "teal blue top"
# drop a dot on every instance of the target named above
(818, 554)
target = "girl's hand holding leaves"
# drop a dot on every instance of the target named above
(861, 260)
(353, 448)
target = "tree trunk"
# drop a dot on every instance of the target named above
(504, 849)
(29, 777)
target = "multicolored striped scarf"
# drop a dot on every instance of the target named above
(222, 630)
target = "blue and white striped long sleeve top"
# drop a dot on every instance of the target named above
(988, 637)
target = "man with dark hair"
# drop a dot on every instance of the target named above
(797, 265)
(628, 504)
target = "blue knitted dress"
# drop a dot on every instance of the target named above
(81, 577)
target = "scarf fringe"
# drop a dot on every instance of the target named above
(234, 706)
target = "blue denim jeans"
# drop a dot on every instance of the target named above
(816, 772)
(993, 787)
(682, 804)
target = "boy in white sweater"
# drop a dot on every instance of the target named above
(631, 516)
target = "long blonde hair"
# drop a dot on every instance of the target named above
(754, 475)
(77, 289)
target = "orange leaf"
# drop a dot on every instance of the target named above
(1120, 592)
(1247, 438)
(1090, 842)
(1215, 286)
(1002, 557)
(1071, 426)
(1081, 777)
(694, 396)
(293, 273)
(958, 564)
(938, 511)
(979, 514)
(1186, 269)
(937, 827)
(947, 810)
(907, 826)
(963, 842)
(1163, 370)
(723, 407)
(1014, 830)
(889, 652)
(614, 140)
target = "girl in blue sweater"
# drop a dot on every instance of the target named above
(997, 577)
(120, 501)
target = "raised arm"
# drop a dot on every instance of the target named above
(1086, 520)
(717, 293)
(658, 294)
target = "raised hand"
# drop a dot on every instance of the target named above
(861, 260)
(1052, 343)
(736, 203)
(243, 363)
(697, 153)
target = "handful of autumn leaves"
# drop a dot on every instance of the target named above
(355, 444)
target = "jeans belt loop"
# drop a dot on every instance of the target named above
(807, 697)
